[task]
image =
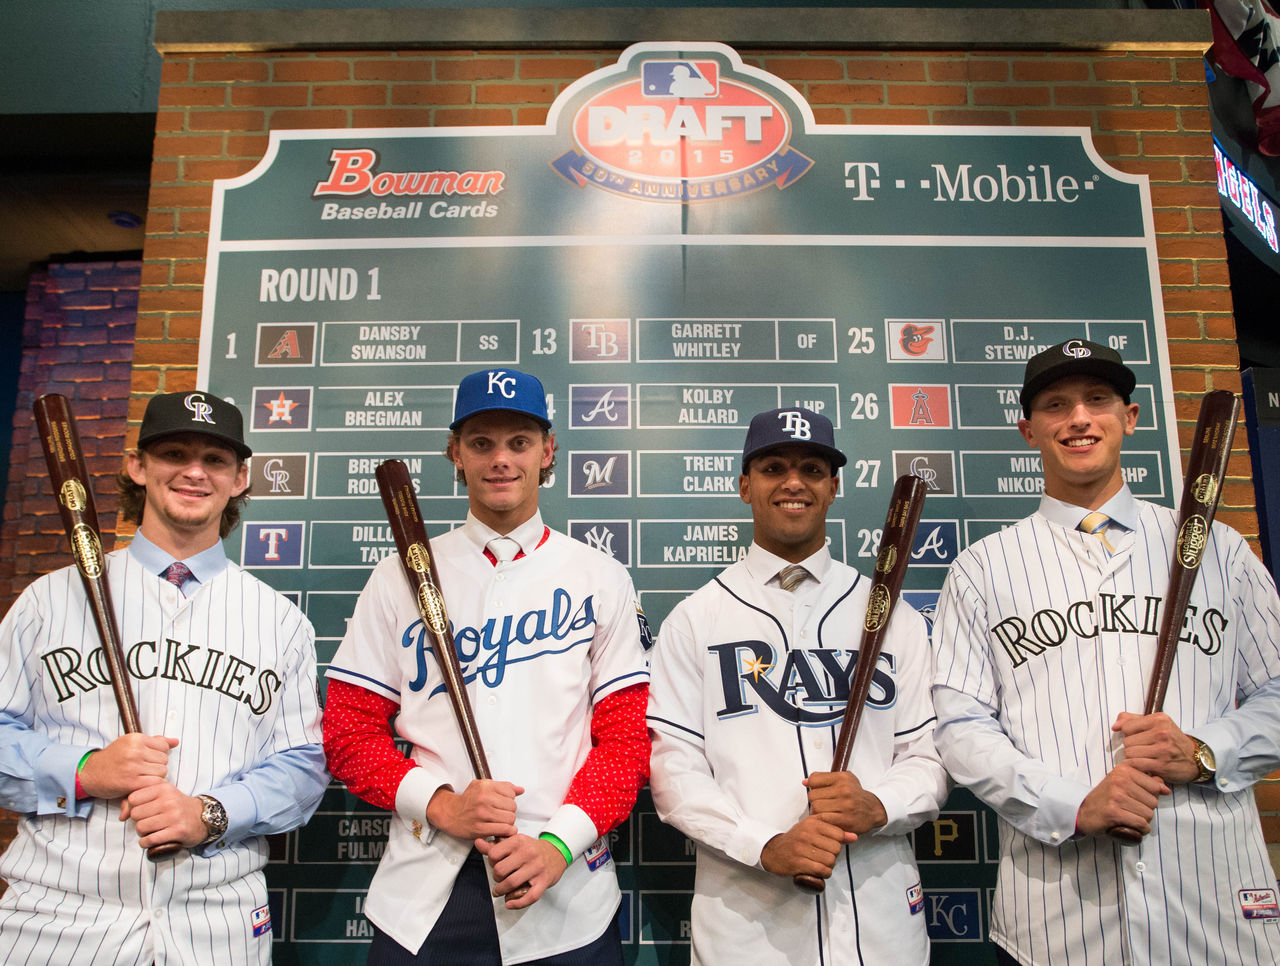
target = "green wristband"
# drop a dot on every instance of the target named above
(80, 767)
(560, 846)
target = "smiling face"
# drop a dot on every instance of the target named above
(1079, 424)
(189, 479)
(790, 490)
(501, 456)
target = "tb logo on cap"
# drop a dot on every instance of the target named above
(502, 384)
(795, 425)
(201, 411)
(1076, 349)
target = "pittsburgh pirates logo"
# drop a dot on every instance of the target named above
(807, 688)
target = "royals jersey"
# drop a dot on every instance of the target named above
(1048, 638)
(230, 672)
(749, 687)
(540, 640)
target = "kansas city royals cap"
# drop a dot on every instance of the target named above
(784, 427)
(172, 413)
(500, 389)
(1075, 357)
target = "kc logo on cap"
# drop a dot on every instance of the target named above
(500, 389)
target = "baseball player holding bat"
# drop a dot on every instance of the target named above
(223, 670)
(550, 642)
(750, 682)
(1045, 640)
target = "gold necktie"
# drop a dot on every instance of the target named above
(1095, 523)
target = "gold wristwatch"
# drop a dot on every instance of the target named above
(214, 817)
(1203, 757)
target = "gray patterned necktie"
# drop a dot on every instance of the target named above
(789, 578)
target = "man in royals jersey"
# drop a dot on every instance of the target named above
(550, 640)
(1045, 638)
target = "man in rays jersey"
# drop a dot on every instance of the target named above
(750, 678)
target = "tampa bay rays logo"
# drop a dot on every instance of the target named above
(807, 688)
(486, 652)
(795, 425)
(201, 411)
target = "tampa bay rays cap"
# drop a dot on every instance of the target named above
(1075, 357)
(785, 427)
(172, 413)
(500, 389)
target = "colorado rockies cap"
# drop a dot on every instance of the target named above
(784, 427)
(500, 389)
(1075, 357)
(194, 412)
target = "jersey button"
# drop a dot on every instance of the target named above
(1141, 866)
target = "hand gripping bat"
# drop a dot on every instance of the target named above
(1206, 468)
(403, 514)
(891, 566)
(74, 490)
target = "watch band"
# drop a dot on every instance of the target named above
(214, 816)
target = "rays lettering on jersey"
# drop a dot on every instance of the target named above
(485, 652)
(1023, 639)
(808, 688)
(72, 672)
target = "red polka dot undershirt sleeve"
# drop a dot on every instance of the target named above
(617, 766)
(360, 745)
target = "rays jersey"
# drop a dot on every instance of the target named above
(231, 673)
(749, 688)
(540, 640)
(1049, 639)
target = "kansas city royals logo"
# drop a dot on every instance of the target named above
(201, 410)
(486, 652)
(807, 688)
(502, 384)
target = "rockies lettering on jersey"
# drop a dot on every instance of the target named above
(817, 678)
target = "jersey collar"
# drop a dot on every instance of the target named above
(763, 565)
(1121, 508)
(204, 566)
(531, 534)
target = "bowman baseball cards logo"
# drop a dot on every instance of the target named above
(679, 130)
(600, 406)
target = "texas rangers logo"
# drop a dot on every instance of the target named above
(678, 130)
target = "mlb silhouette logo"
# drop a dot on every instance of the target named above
(680, 78)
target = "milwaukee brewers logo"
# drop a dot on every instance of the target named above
(877, 608)
(887, 559)
(418, 559)
(87, 550)
(72, 496)
(1205, 489)
(431, 606)
(1191, 540)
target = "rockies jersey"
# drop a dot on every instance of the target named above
(749, 687)
(540, 639)
(231, 673)
(1042, 639)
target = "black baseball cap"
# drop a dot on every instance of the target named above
(172, 413)
(791, 426)
(1075, 357)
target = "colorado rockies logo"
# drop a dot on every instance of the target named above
(808, 688)
(1076, 349)
(201, 411)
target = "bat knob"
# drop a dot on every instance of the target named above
(809, 883)
(158, 852)
(1125, 835)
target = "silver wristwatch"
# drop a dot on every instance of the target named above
(214, 817)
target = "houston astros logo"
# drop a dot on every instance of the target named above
(1191, 541)
(916, 338)
(677, 129)
(201, 411)
(418, 558)
(72, 496)
(1205, 489)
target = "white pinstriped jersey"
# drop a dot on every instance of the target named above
(1049, 640)
(231, 673)
(540, 639)
(743, 706)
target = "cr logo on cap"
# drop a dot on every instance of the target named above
(502, 383)
(795, 425)
(201, 410)
(1076, 349)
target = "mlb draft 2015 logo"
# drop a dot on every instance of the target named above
(678, 129)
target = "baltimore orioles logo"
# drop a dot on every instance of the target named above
(915, 339)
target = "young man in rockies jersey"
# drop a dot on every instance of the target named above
(750, 680)
(549, 637)
(1045, 638)
(224, 672)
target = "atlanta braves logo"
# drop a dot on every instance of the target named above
(808, 688)
(915, 339)
(486, 652)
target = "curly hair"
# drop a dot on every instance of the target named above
(133, 502)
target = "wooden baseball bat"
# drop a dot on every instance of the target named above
(74, 489)
(1206, 468)
(405, 517)
(896, 542)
